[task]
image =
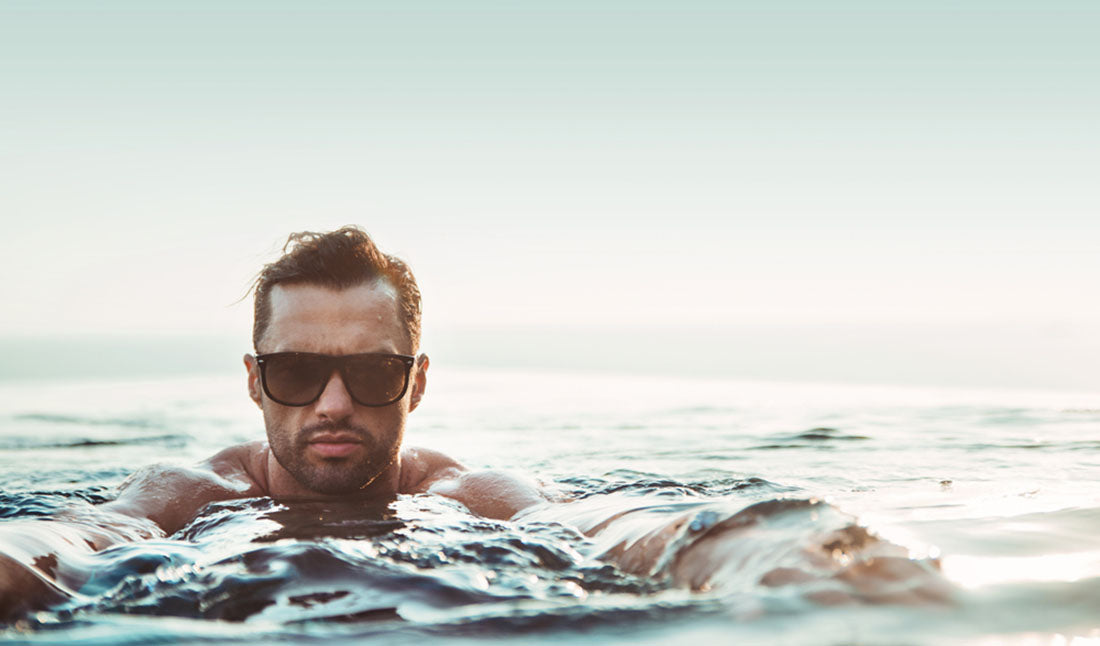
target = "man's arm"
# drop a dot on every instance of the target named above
(697, 549)
(778, 542)
(40, 559)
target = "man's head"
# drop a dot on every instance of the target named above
(336, 294)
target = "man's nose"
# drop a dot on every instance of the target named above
(335, 402)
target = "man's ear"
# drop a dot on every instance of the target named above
(419, 381)
(253, 368)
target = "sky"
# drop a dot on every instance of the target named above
(838, 191)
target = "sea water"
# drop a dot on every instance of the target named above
(996, 487)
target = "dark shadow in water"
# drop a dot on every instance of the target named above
(292, 519)
(300, 575)
(47, 503)
(309, 520)
(31, 443)
(821, 438)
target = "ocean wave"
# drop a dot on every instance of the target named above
(25, 442)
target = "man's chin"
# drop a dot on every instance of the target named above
(326, 476)
(329, 487)
(334, 481)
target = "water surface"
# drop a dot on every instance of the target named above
(996, 487)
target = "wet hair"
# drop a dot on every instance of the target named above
(338, 259)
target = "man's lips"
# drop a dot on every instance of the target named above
(334, 445)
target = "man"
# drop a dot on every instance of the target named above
(336, 373)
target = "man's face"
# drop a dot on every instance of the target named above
(334, 445)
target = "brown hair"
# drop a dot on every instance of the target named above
(338, 259)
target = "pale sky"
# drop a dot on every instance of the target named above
(887, 171)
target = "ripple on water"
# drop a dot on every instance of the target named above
(48, 503)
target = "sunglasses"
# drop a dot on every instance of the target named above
(299, 378)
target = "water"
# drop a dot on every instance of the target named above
(997, 487)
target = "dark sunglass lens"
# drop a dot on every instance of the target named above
(375, 381)
(295, 380)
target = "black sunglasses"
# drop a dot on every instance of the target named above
(299, 378)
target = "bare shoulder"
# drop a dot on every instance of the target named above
(489, 492)
(244, 462)
(421, 467)
(170, 495)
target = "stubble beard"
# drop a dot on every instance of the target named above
(335, 476)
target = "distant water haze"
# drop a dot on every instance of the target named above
(1045, 357)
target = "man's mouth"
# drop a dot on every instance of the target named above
(335, 445)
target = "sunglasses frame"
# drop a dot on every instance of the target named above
(334, 363)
